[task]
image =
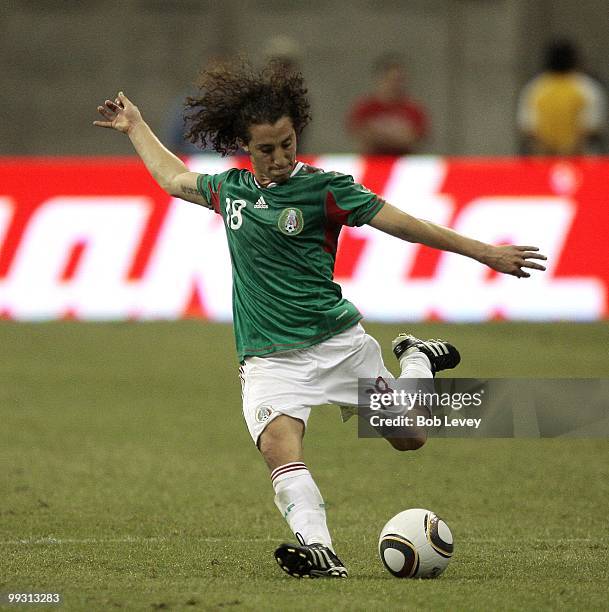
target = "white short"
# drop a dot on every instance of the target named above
(291, 382)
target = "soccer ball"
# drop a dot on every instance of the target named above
(415, 544)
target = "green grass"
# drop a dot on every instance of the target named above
(128, 480)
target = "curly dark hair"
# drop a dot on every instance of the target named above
(233, 96)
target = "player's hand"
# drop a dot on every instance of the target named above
(121, 114)
(511, 259)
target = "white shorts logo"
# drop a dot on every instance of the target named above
(263, 413)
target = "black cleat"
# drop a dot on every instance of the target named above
(310, 561)
(442, 355)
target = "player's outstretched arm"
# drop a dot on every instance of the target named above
(168, 171)
(509, 259)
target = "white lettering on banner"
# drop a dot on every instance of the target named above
(209, 163)
(191, 254)
(387, 262)
(540, 221)
(75, 254)
(109, 230)
(6, 212)
(461, 291)
(412, 178)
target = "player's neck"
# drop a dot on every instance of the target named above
(262, 179)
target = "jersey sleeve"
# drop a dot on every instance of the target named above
(209, 186)
(349, 203)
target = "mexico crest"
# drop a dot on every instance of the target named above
(263, 413)
(290, 221)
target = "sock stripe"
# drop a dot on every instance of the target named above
(277, 477)
(285, 469)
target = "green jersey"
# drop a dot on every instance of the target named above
(282, 240)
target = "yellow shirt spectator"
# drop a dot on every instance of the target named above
(559, 111)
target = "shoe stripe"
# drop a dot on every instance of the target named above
(323, 564)
(327, 557)
(439, 347)
(322, 559)
(319, 561)
(431, 348)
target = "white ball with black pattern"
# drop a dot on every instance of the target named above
(415, 543)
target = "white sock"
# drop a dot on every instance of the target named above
(415, 364)
(301, 503)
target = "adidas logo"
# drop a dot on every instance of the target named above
(261, 203)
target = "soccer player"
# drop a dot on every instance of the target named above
(299, 342)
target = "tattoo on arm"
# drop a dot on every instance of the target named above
(192, 191)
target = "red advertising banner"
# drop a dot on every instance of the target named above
(95, 238)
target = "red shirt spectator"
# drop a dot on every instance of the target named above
(388, 122)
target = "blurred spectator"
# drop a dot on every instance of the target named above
(388, 121)
(285, 51)
(174, 129)
(562, 111)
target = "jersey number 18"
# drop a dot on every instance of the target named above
(234, 220)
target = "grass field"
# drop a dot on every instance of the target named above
(128, 480)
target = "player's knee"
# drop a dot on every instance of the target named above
(269, 444)
(409, 443)
(281, 441)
